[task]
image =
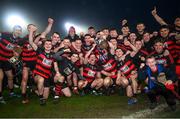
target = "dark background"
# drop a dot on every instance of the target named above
(97, 13)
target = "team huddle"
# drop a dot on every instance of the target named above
(98, 63)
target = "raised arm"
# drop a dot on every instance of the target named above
(124, 22)
(56, 68)
(127, 43)
(107, 73)
(48, 28)
(0, 35)
(59, 47)
(157, 17)
(32, 29)
(57, 56)
(112, 48)
(135, 50)
(46, 31)
(88, 54)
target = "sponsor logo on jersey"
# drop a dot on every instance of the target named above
(124, 68)
(67, 71)
(47, 62)
(91, 73)
(161, 61)
(10, 46)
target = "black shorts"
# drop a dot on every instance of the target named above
(47, 82)
(30, 64)
(64, 85)
(6, 65)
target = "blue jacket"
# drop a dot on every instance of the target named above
(170, 75)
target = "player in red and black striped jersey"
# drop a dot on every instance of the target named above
(107, 65)
(44, 65)
(175, 31)
(8, 41)
(127, 75)
(169, 41)
(162, 55)
(29, 57)
(165, 32)
(126, 65)
(178, 58)
(28, 54)
(91, 73)
(178, 54)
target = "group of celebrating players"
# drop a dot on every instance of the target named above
(97, 62)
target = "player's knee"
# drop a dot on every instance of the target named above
(58, 79)
(68, 95)
(118, 81)
(10, 77)
(100, 81)
(107, 81)
(81, 84)
(126, 82)
(40, 80)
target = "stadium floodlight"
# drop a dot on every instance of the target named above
(78, 28)
(15, 19)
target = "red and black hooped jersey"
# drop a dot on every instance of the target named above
(144, 52)
(178, 58)
(128, 48)
(44, 64)
(108, 64)
(7, 44)
(164, 60)
(171, 46)
(178, 50)
(28, 54)
(123, 47)
(126, 66)
(89, 72)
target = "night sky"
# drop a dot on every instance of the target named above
(97, 13)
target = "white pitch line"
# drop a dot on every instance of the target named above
(146, 113)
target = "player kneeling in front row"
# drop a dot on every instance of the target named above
(126, 76)
(93, 81)
(67, 69)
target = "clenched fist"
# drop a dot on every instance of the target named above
(32, 28)
(50, 20)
